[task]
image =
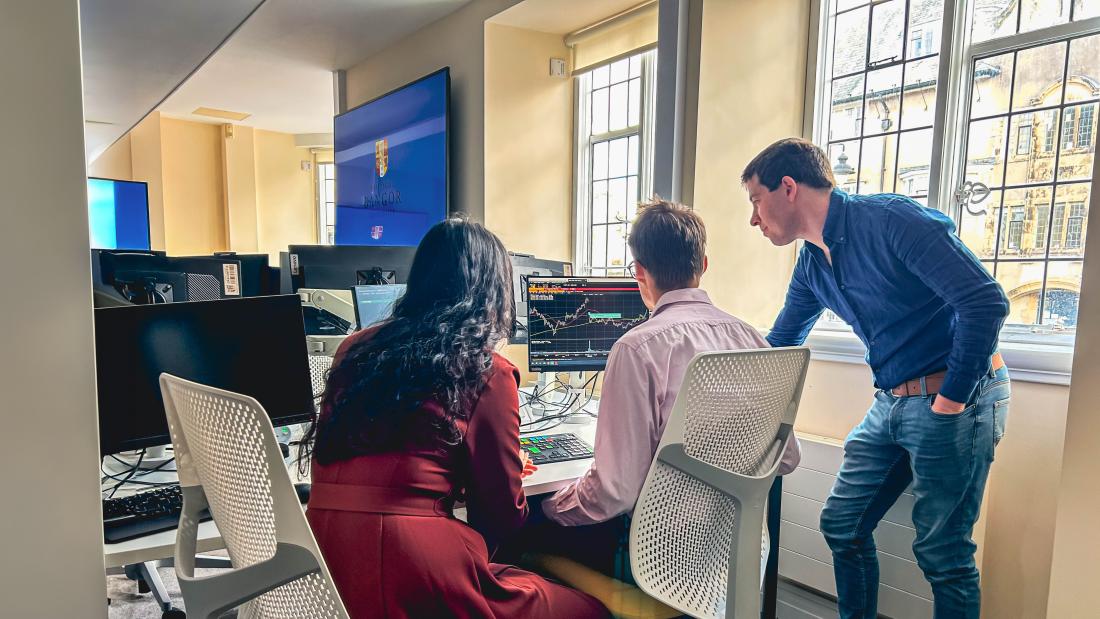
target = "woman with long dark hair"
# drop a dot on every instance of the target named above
(419, 413)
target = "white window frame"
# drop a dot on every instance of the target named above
(583, 141)
(322, 211)
(1033, 357)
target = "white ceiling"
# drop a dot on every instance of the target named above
(548, 15)
(134, 52)
(278, 66)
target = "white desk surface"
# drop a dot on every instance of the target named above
(549, 478)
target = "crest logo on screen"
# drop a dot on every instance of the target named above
(376, 232)
(382, 156)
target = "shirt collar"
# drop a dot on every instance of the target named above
(836, 221)
(682, 295)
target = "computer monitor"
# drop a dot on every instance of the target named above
(391, 165)
(118, 214)
(255, 346)
(373, 304)
(523, 267)
(142, 278)
(257, 277)
(574, 321)
(340, 268)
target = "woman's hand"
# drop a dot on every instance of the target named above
(528, 467)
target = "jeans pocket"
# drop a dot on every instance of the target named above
(1000, 417)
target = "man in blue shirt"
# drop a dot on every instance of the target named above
(929, 315)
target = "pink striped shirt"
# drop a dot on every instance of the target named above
(643, 375)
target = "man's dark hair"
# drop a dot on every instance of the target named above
(794, 157)
(670, 241)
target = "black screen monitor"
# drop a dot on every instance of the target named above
(525, 266)
(257, 277)
(341, 267)
(373, 304)
(123, 278)
(574, 321)
(256, 347)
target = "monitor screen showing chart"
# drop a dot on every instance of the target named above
(574, 321)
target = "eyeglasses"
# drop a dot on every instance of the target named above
(630, 269)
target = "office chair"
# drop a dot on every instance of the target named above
(318, 372)
(229, 462)
(695, 534)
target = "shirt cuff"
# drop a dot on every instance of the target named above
(958, 387)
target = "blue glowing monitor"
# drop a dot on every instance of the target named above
(373, 304)
(118, 214)
(391, 165)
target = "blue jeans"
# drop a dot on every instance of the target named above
(947, 459)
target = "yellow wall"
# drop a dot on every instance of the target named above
(285, 205)
(239, 153)
(528, 143)
(194, 200)
(456, 41)
(145, 153)
(115, 162)
(751, 93)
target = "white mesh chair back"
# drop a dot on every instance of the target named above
(695, 537)
(229, 461)
(318, 372)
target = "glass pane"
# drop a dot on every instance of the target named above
(1023, 283)
(847, 104)
(1078, 143)
(600, 76)
(914, 156)
(632, 197)
(985, 151)
(618, 107)
(876, 173)
(918, 108)
(844, 157)
(1084, 68)
(979, 232)
(992, 81)
(599, 246)
(330, 190)
(1084, 9)
(888, 27)
(993, 18)
(620, 70)
(599, 111)
(636, 66)
(1071, 210)
(632, 156)
(1039, 76)
(617, 157)
(1029, 160)
(925, 17)
(616, 245)
(843, 5)
(599, 161)
(1063, 290)
(599, 202)
(616, 200)
(1023, 209)
(634, 117)
(1042, 13)
(881, 104)
(850, 47)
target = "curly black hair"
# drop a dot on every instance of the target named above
(438, 346)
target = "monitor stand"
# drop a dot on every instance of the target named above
(573, 392)
(154, 457)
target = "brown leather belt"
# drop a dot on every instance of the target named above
(933, 382)
(377, 500)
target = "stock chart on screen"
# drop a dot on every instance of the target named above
(574, 321)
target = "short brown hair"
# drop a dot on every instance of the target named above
(794, 157)
(670, 241)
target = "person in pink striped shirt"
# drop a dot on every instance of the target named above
(589, 519)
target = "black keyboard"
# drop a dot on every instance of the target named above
(144, 513)
(550, 448)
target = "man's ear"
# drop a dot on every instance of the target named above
(790, 188)
(706, 263)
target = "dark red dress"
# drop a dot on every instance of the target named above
(394, 549)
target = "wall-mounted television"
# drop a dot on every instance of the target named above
(118, 214)
(392, 165)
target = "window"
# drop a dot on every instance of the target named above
(326, 203)
(1018, 116)
(614, 159)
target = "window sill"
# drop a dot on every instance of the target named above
(1028, 362)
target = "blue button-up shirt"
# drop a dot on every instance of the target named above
(919, 300)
